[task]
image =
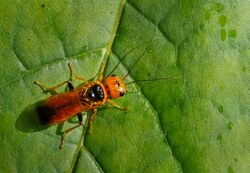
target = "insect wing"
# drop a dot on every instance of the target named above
(59, 108)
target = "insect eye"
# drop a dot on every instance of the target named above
(121, 93)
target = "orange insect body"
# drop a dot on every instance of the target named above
(89, 96)
(60, 107)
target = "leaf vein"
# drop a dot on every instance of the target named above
(156, 25)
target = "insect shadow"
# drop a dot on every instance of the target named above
(28, 120)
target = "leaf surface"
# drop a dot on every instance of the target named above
(198, 121)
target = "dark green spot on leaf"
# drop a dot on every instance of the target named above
(219, 137)
(222, 20)
(232, 33)
(220, 109)
(230, 169)
(223, 34)
(243, 68)
(230, 125)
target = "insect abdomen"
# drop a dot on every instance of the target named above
(58, 108)
(45, 113)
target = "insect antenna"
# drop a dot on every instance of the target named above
(145, 80)
(151, 80)
(131, 50)
(129, 71)
(131, 92)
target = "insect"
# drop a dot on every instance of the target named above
(87, 97)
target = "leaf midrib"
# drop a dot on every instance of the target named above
(104, 61)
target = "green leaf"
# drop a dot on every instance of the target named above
(198, 121)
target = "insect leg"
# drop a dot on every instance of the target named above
(70, 85)
(75, 75)
(79, 115)
(91, 119)
(116, 105)
(45, 89)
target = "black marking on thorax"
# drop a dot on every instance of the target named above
(95, 93)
